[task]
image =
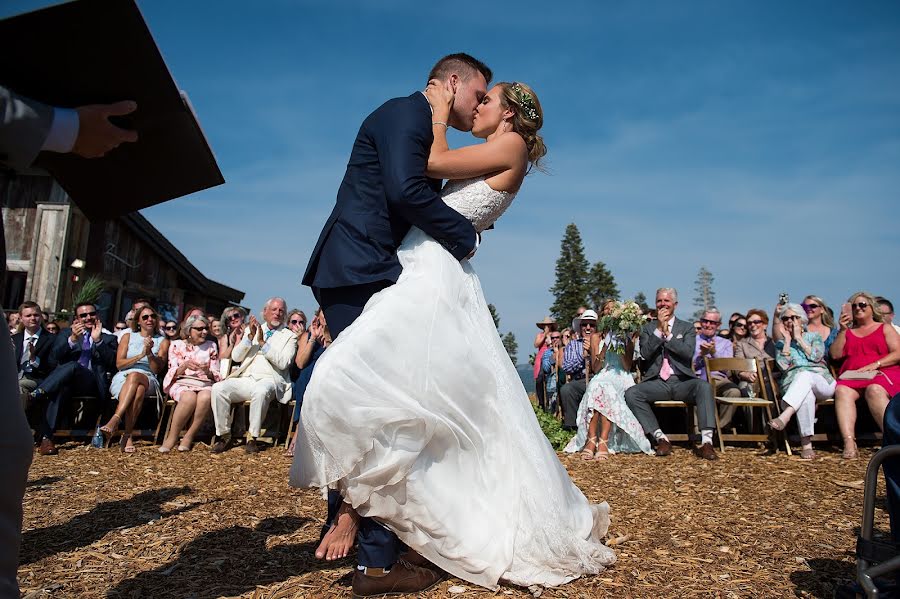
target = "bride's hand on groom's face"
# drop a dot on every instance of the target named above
(440, 95)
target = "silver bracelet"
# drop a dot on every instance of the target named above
(440, 123)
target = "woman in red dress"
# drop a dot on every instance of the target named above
(865, 345)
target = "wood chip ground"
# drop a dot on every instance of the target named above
(194, 525)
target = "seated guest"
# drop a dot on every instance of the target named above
(542, 345)
(310, 346)
(887, 311)
(667, 350)
(215, 329)
(738, 330)
(574, 366)
(801, 356)
(758, 346)
(52, 328)
(193, 368)
(124, 326)
(141, 357)
(697, 327)
(33, 346)
(712, 345)
(296, 321)
(85, 358)
(820, 318)
(265, 352)
(14, 322)
(551, 362)
(171, 332)
(120, 328)
(865, 345)
(232, 331)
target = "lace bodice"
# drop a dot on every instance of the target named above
(477, 201)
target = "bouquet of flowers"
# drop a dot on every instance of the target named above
(623, 320)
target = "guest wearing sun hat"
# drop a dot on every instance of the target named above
(574, 363)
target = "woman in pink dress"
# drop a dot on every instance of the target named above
(865, 345)
(193, 368)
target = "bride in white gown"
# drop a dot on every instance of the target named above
(416, 414)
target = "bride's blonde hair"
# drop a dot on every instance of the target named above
(528, 117)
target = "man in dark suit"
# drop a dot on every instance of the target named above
(85, 357)
(667, 349)
(33, 348)
(383, 194)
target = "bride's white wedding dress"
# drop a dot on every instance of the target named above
(416, 414)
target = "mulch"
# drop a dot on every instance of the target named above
(195, 525)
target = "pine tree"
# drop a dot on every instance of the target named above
(705, 298)
(641, 300)
(493, 310)
(570, 289)
(601, 286)
(512, 348)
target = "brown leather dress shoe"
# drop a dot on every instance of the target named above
(663, 447)
(404, 578)
(47, 447)
(706, 452)
(251, 447)
(415, 558)
(220, 446)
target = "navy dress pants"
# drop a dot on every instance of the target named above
(377, 547)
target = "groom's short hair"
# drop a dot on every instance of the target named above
(462, 64)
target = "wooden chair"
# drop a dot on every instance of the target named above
(690, 420)
(764, 402)
(290, 430)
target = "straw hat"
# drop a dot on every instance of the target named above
(548, 321)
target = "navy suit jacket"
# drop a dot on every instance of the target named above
(103, 357)
(42, 350)
(384, 193)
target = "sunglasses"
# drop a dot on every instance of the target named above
(303, 322)
(810, 307)
(740, 325)
(87, 315)
(199, 328)
(789, 318)
(754, 322)
(588, 324)
(557, 337)
(707, 321)
(148, 317)
(53, 329)
(235, 316)
(860, 305)
(118, 328)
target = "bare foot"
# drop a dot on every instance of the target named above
(339, 539)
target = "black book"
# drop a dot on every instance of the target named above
(99, 52)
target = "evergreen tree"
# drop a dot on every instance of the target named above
(494, 315)
(570, 290)
(705, 298)
(512, 348)
(641, 300)
(601, 286)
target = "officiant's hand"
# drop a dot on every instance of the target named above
(96, 135)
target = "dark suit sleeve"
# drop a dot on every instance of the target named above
(106, 352)
(403, 152)
(24, 126)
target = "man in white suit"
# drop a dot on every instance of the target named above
(265, 353)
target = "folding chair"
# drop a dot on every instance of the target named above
(874, 558)
(690, 418)
(764, 402)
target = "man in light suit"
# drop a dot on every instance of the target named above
(384, 193)
(667, 348)
(26, 128)
(265, 352)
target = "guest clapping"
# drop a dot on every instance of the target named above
(141, 357)
(801, 356)
(193, 368)
(866, 345)
(757, 346)
(232, 331)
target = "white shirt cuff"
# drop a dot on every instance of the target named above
(63, 131)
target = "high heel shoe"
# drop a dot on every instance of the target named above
(588, 454)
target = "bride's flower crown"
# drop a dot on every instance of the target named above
(526, 101)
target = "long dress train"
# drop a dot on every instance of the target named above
(418, 417)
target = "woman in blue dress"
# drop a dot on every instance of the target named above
(141, 357)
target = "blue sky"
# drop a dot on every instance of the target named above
(758, 139)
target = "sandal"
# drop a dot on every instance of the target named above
(602, 451)
(123, 444)
(850, 450)
(109, 432)
(588, 454)
(775, 425)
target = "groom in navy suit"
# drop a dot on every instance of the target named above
(384, 193)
